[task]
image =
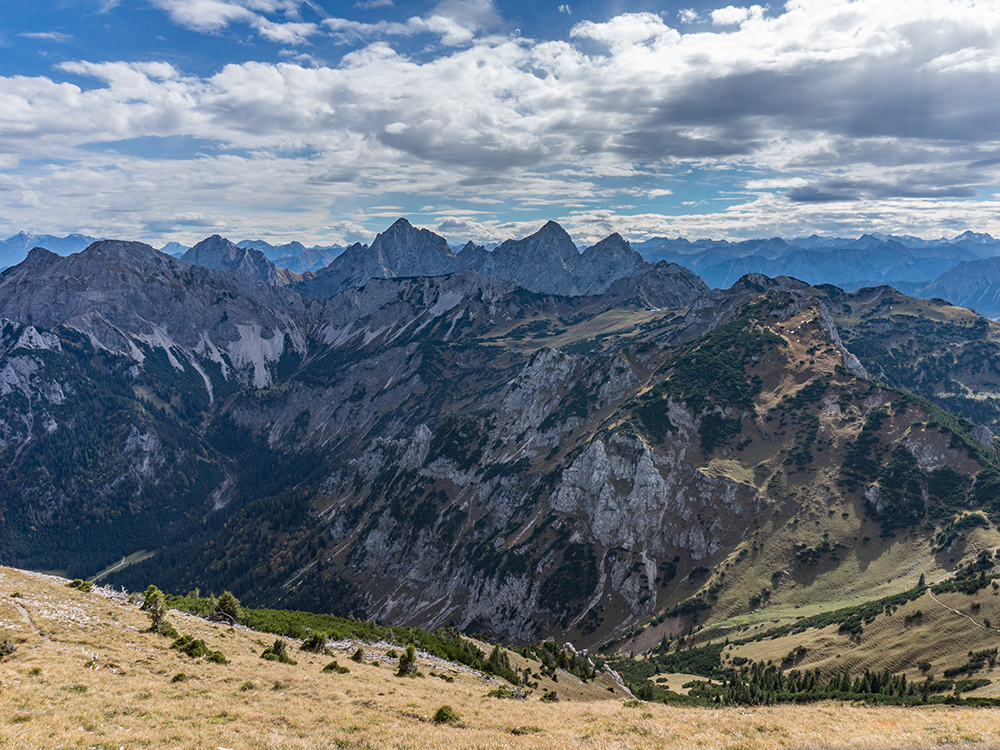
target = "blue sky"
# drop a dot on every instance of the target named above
(324, 121)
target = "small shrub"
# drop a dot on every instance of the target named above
(75, 688)
(358, 656)
(408, 663)
(7, 647)
(16, 595)
(247, 686)
(81, 585)
(279, 685)
(315, 643)
(278, 651)
(216, 657)
(446, 715)
(179, 677)
(549, 696)
(333, 666)
(35, 671)
(193, 647)
(167, 630)
(632, 703)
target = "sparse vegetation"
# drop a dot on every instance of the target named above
(446, 715)
(278, 651)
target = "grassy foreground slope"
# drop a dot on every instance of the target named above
(85, 673)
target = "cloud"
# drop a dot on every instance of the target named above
(566, 9)
(456, 22)
(47, 36)
(213, 16)
(372, 4)
(799, 116)
(688, 15)
(732, 15)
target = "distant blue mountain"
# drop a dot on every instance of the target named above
(871, 259)
(15, 249)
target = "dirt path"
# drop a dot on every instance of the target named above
(26, 616)
(961, 613)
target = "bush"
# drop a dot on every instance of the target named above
(446, 715)
(179, 677)
(193, 647)
(315, 643)
(333, 666)
(247, 686)
(278, 651)
(154, 603)
(217, 657)
(549, 696)
(358, 656)
(7, 647)
(84, 586)
(408, 663)
(167, 630)
(228, 608)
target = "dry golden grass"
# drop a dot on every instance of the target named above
(85, 675)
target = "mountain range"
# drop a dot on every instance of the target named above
(917, 266)
(870, 260)
(527, 442)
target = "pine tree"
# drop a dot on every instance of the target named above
(154, 603)
(228, 607)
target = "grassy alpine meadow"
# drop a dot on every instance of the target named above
(83, 671)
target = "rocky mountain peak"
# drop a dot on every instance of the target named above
(218, 252)
(137, 252)
(39, 256)
(404, 246)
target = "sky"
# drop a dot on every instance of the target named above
(325, 121)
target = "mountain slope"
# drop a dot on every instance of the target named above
(219, 253)
(128, 687)
(974, 283)
(457, 450)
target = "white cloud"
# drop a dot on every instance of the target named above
(212, 16)
(688, 15)
(628, 30)
(732, 15)
(47, 36)
(372, 4)
(566, 9)
(775, 100)
(456, 22)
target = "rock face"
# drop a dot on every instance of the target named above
(456, 449)
(132, 300)
(401, 250)
(546, 261)
(218, 252)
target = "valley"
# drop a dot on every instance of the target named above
(614, 469)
